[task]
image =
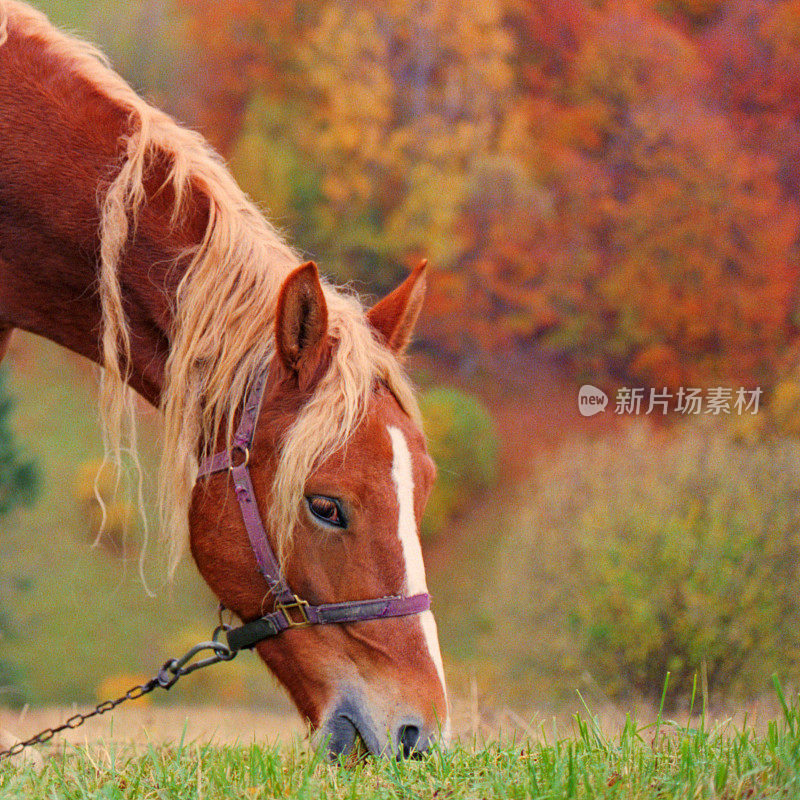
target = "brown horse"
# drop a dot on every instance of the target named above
(124, 238)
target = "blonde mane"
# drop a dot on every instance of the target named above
(224, 310)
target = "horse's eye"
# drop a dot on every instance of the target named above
(327, 510)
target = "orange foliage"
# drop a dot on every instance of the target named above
(615, 181)
(245, 45)
(754, 52)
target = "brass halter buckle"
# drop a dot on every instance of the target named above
(300, 606)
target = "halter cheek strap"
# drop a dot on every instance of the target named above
(290, 611)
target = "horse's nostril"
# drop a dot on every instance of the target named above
(409, 740)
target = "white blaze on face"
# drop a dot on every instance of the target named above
(403, 477)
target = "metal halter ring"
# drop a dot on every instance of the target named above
(245, 451)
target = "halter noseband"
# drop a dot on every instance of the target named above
(290, 611)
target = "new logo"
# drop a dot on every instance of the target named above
(591, 400)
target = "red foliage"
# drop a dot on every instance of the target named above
(627, 199)
(244, 45)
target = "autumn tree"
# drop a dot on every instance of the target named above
(683, 264)
(753, 52)
(245, 46)
(581, 175)
(393, 110)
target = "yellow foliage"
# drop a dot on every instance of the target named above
(111, 517)
(113, 686)
(224, 684)
(92, 478)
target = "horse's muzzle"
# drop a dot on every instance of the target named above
(350, 724)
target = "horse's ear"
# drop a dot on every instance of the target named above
(395, 315)
(301, 320)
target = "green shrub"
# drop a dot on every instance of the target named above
(652, 551)
(691, 554)
(463, 443)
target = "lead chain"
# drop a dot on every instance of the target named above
(168, 676)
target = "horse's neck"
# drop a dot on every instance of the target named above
(59, 149)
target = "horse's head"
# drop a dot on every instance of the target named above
(355, 537)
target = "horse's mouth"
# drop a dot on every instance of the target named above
(346, 739)
(348, 733)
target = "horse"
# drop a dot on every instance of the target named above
(124, 238)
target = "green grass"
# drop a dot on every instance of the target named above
(661, 761)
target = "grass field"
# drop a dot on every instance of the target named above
(75, 621)
(662, 760)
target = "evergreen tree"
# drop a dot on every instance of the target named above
(19, 482)
(18, 476)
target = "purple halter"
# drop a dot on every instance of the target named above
(290, 611)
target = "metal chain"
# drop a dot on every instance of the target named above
(167, 677)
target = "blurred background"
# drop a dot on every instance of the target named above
(608, 193)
